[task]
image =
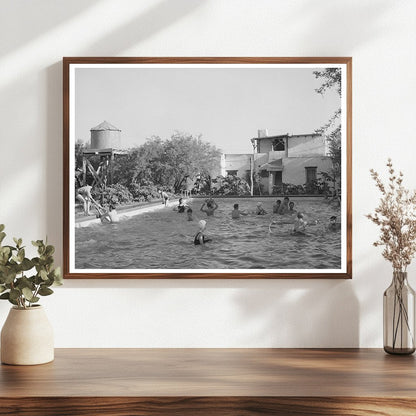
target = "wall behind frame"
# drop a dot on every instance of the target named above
(379, 35)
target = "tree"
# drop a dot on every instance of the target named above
(189, 156)
(231, 185)
(79, 153)
(168, 163)
(331, 78)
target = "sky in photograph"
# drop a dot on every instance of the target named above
(225, 105)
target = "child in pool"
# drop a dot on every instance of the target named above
(181, 206)
(333, 224)
(211, 206)
(292, 208)
(284, 208)
(276, 206)
(260, 210)
(200, 238)
(299, 226)
(189, 214)
(108, 216)
(235, 213)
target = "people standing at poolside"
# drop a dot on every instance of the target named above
(200, 238)
(209, 206)
(276, 206)
(235, 213)
(164, 196)
(84, 196)
(284, 208)
(260, 210)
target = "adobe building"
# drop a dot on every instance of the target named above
(290, 159)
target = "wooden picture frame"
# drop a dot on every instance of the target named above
(306, 103)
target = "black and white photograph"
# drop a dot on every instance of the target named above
(214, 169)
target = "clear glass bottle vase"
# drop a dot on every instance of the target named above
(399, 316)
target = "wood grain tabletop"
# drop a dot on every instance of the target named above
(238, 381)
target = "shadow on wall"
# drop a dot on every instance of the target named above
(158, 17)
(302, 314)
(37, 17)
(338, 19)
(155, 19)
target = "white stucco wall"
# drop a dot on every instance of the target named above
(294, 168)
(300, 146)
(380, 35)
(238, 162)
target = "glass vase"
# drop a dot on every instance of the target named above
(399, 316)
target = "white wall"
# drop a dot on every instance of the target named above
(307, 146)
(294, 171)
(380, 35)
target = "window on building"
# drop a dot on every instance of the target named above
(310, 174)
(264, 174)
(232, 172)
(279, 144)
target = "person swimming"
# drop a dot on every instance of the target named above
(189, 214)
(112, 213)
(299, 226)
(200, 238)
(235, 213)
(333, 224)
(211, 206)
(276, 206)
(260, 210)
(108, 216)
(292, 209)
(181, 206)
(284, 208)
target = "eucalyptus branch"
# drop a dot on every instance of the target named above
(17, 285)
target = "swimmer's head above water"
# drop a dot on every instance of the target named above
(202, 224)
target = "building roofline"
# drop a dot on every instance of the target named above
(280, 136)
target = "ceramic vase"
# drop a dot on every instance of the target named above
(27, 337)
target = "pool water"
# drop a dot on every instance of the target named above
(163, 239)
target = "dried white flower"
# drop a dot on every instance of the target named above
(396, 216)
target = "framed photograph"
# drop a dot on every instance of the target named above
(207, 168)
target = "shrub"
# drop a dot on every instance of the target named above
(113, 194)
(144, 192)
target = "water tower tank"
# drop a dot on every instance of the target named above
(105, 136)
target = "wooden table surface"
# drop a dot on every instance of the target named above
(212, 381)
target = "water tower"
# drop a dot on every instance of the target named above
(105, 143)
(105, 136)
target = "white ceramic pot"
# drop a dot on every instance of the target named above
(27, 337)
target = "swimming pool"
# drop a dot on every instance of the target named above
(163, 239)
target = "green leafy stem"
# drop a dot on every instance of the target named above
(16, 285)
